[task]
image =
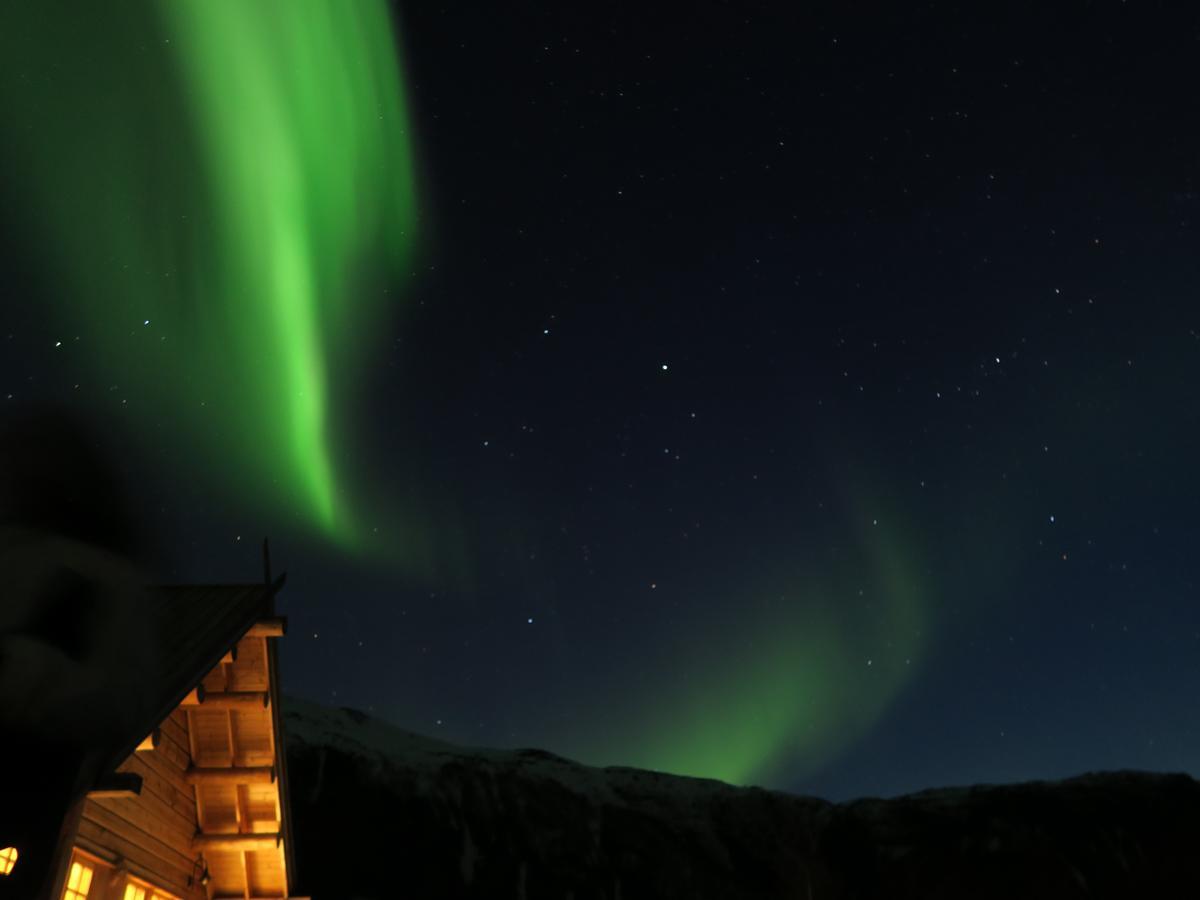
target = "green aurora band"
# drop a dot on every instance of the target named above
(241, 175)
(232, 182)
(794, 670)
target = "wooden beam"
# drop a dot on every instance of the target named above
(283, 873)
(192, 754)
(241, 803)
(117, 784)
(227, 699)
(230, 775)
(205, 842)
(113, 794)
(151, 741)
(194, 698)
(275, 626)
(253, 826)
(245, 876)
(268, 650)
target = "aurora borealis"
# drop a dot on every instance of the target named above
(224, 244)
(787, 396)
(776, 683)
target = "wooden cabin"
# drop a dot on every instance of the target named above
(196, 806)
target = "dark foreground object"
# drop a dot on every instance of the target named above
(426, 819)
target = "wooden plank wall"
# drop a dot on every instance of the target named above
(151, 832)
(227, 808)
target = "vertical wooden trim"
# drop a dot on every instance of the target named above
(279, 753)
(227, 671)
(266, 650)
(191, 733)
(60, 865)
(245, 824)
(196, 788)
(229, 737)
(245, 874)
(282, 857)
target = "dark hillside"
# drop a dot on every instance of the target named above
(427, 819)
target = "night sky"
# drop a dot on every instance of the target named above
(798, 397)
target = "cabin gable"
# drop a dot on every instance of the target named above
(198, 810)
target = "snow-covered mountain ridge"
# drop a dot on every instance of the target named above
(424, 818)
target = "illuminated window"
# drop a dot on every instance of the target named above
(8, 859)
(137, 890)
(79, 882)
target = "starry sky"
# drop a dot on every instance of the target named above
(797, 397)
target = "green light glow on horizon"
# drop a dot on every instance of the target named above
(240, 175)
(789, 676)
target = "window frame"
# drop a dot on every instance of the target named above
(84, 866)
(114, 877)
(148, 891)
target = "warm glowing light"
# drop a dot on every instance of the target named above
(136, 890)
(79, 882)
(8, 859)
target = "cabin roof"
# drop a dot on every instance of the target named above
(192, 627)
(185, 631)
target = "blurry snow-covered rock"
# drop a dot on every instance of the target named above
(428, 819)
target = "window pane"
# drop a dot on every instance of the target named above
(78, 882)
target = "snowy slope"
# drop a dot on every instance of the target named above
(423, 818)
